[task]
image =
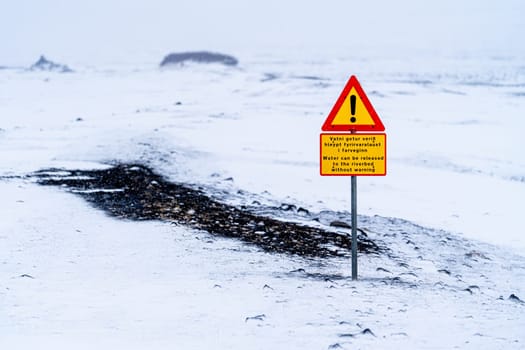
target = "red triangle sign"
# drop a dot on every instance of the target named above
(353, 111)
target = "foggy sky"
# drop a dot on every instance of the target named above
(111, 28)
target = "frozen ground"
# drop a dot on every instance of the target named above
(454, 131)
(450, 207)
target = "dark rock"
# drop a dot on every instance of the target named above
(340, 224)
(408, 274)
(198, 57)
(476, 254)
(514, 297)
(399, 334)
(366, 331)
(346, 335)
(287, 207)
(44, 64)
(260, 317)
(382, 269)
(138, 199)
(303, 211)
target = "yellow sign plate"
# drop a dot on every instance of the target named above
(353, 154)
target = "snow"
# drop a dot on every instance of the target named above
(73, 277)
(451, 98)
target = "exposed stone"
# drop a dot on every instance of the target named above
(125, 191)
(198, 57)
(43, 64)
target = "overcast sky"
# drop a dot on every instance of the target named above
(108, 28)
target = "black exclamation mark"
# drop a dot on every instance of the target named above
(352, 108)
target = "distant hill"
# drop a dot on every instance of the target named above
(43, 64)
(198, 57)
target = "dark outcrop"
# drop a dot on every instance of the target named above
(198, 57)
(43, 64)
(135, 192)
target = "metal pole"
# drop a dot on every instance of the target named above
(354, 227)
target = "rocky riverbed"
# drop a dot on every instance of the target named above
(131, 191)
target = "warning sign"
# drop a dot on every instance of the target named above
(353, 111)
(353, 154)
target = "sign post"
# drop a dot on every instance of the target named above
(354, 226)
(345, 151)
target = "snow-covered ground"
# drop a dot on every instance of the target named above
(71, 276)
(448, 81)
(454, 131)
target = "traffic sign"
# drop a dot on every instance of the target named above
(353, 111)
(350, 153)
(353, 154)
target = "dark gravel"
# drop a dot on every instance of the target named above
(143, 195)
(179, 58)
